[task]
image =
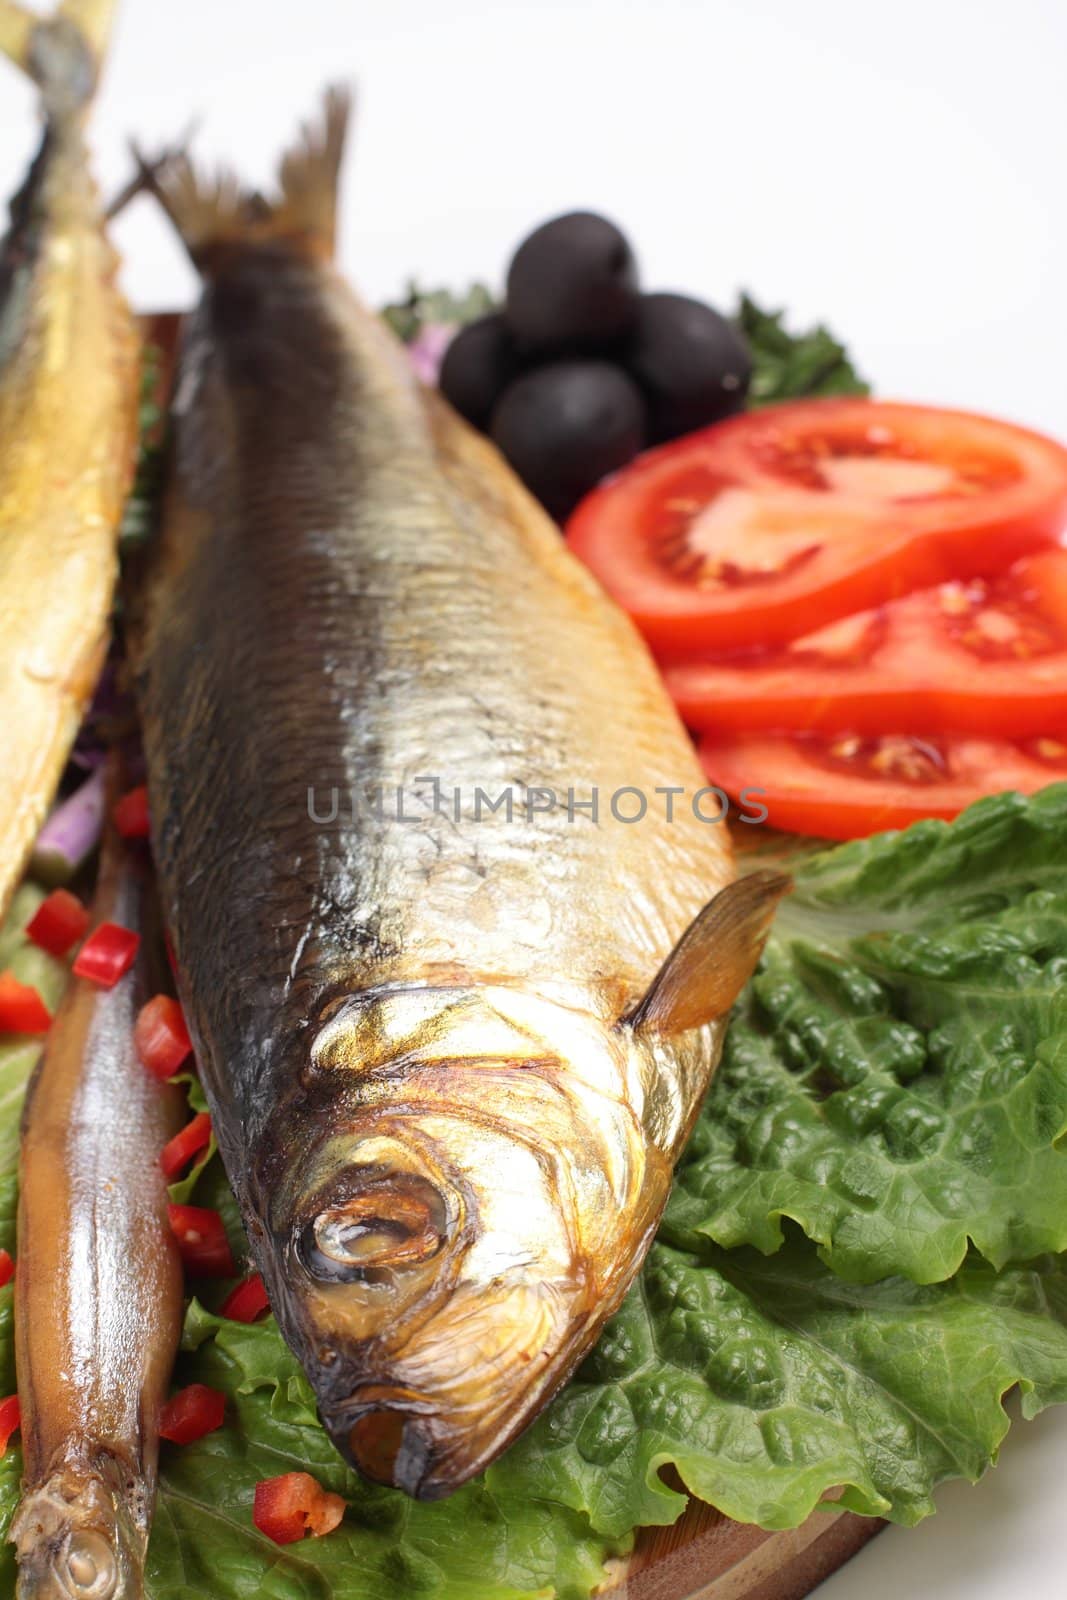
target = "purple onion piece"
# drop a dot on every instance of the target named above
(71, 833)
(427, 350)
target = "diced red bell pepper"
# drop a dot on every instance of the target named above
(107, 955)
(161, 1037)
(130, 814)
(202, 1241)
(21, 1008)
(7, 1268)
(248, 1301)
(194, 1137)
(59, 922)
(191, 1413)
(10, 1420)
(287, 1508)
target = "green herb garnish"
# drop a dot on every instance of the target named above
(790, 366)
(420, 307)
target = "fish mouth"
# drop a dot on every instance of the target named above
(429, 1438)
(76, 1540)
(395, 1445)
(404, 1442)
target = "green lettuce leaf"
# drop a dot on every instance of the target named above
(768, 1381)
(896, 1079)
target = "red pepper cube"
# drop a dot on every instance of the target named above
(58, 923)
(287, 1508)
(194, 1137)
(161, 1037)
(248, 1301)
(130, 814)
(10, 1420)
(107, 955)
(7, 1268)
(202, 1241)
(21, 1008)
(192, 1413)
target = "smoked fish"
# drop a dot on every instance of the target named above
(452, 1045)
(69, 389)
(99, 1298)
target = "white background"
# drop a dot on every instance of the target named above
(898, 169)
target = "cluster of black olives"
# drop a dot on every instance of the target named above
(580, 370)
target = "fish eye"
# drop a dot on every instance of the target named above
(387, 1221)
(86, 1568)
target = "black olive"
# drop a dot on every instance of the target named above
(693, 365)
(479, 364)
(566, 425)
(572, 286)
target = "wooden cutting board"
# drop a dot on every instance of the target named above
(705, 1556)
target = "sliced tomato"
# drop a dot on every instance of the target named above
(776, 522)
(130, 814)
(21, 1008)
(849, 786)
(202, 1241)
(179, 1151)
(248, 1302)
(59, 922)
(192, 1413)
(10, 1420)
(161, 1037)
(287, 1508)
(107, 955)
(985, 655)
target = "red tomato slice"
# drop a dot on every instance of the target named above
(848, 787)
(130, 814)
(21, 1008)
(107, 955)
(248, 1302)
(202, 1241)
(179, 1151)
(192, 1413)
(774, 523)
(160, 1036)
(286, 1508)
(986, 655)
(59, 922)
(10, 1420)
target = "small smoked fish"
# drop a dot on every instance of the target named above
(448, 1085)
(98, 1302)
(68, 426)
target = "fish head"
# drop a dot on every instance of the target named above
(453, 1241)
(78, 1537)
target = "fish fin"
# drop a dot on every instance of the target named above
(714, 959)
(212, 211)
(145, 172)
(310, 169)
(62, 53)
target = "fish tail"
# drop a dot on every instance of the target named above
(75, 1535)
(213, 211)
(62, 53)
